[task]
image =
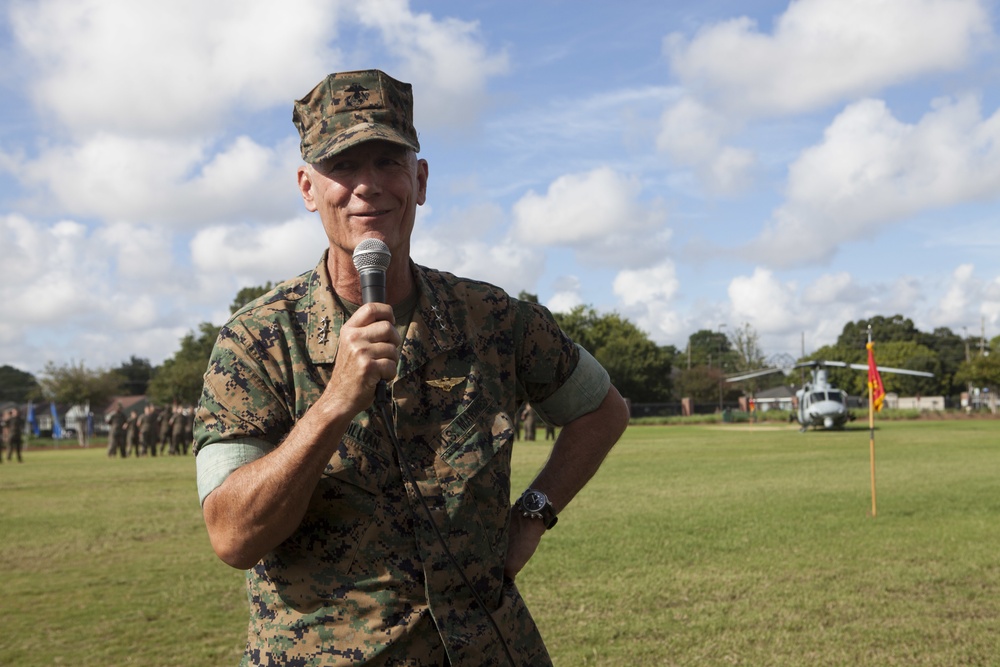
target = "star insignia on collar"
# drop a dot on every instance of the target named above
(324, 330)
(437, 317)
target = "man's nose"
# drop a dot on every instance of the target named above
(369, 180)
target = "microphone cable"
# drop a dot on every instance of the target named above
(382, 405)
(371, 258)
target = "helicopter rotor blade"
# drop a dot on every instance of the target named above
(888, 369)
(755, 374)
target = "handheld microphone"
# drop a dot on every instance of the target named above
(371, 259)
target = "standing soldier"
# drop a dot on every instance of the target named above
(116, 431)
(176, 430)
(528, 417)
(14, 426)
(148, 430)
(132, 435)
(188, 436)
(164, 435)
(4, 439)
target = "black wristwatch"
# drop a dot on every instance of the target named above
(534, 504)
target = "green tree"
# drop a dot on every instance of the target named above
(136, 374)
(75, 384)
(702, 385)
(747, 353)
(248, 294)
(709, 348)
(911, 356)
(884, 330)
(17, 386)
(951, 354)
(898, 344)
(179, 379)
(527, 296)
(982, 370)
(639, 368)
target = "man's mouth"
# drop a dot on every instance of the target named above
(370, 214)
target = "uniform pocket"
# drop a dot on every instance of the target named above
(309, 565)
(477, 446)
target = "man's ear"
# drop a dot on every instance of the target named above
(422, 174)
(306, 187)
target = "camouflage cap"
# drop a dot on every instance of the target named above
(348, 108)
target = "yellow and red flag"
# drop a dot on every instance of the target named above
(875, 386)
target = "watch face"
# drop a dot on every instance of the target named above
(533, 501)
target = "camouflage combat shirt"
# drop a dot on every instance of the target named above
(364, 580)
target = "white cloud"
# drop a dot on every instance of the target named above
(657, 283)
(567, 295)
(599, 214)
(693, 135)
(819, 53)
(955, 303)
(58, 263)
(181, 183)
(830, 289)
(239, 255)
(787, 314)
(171, 68)
(764, 301)
(824, 51)
(647, 297)
(140, 252)
(872, 169)
(691, 131)
(445, 60)
(967, 301)
(507, 263)
(731, 171)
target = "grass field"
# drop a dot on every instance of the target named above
(701, 545)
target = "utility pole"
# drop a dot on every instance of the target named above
(982, 336)
(722, 369)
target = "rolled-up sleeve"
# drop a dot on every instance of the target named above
(217, 461)
(582, 392)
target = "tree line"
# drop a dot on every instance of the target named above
(642, 370)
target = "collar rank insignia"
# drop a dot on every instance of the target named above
(324, 330)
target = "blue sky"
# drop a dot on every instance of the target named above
(791, 166)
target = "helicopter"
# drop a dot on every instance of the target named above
(820, 404)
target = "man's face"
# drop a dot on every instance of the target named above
(371, 190)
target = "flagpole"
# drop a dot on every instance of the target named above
(871, 428)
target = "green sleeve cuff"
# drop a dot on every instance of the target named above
(583, 392)
(218, 460)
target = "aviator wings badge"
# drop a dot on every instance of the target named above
(446, 383)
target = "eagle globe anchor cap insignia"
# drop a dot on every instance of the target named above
(349, 108)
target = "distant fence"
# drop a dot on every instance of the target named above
(675, 409)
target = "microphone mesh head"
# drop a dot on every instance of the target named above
(371, 255)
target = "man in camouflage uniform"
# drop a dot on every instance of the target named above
(149, 426)
(163, 437)
(359, 553)
(13, 427)
(116, 431)
(132, 442)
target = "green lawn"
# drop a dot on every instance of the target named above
(695, 545)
